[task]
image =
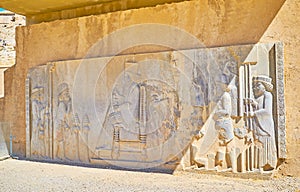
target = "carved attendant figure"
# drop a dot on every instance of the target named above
(63, 119)
(225, 128)
(263, 125)
(38, 122)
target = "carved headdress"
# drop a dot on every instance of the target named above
(265, 80)
(37, 92)
(62, 87)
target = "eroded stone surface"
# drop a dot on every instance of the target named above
(8, 23)
(146, 112)
(218, 23)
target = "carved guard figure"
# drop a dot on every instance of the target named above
(39, 122)
(223, 124)
(263, 124)
(63, 120)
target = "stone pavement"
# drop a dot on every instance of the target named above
(20, 175)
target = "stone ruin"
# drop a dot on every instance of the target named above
(219, 109)
(8, 22)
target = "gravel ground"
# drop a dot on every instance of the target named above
(19, 175)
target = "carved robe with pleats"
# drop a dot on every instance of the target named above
(264, 131)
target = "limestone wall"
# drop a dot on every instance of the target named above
(214, 23)
(285, 28)
(8, 23)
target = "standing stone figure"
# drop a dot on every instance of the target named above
(63, 119)
(84, 155)
(223, 124)
(39, 122)
(263, 124)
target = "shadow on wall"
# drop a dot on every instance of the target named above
(237, 22)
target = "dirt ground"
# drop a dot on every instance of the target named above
(19, 175)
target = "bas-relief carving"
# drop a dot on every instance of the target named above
(248, 135)
(263, 124)
(55, 132)
(38, 113)
(279, 99)
(70, 129)
(146, 113)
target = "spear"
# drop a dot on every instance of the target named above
(248, 109)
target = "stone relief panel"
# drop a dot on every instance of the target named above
(144, 114)
(209, 109)
(70, 129)
(247, 137)
(38, 113)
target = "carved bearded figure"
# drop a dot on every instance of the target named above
(63, 120)
(224, 126)
(263, 124)
(39, 122)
